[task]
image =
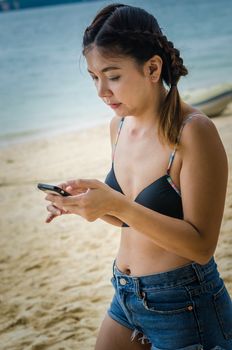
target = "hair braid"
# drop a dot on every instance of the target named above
(177, 68)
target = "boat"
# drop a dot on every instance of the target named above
(212, 101)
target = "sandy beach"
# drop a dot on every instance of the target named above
(55, 278)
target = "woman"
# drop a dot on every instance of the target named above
(166, 188)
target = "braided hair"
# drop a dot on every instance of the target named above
(123, 30)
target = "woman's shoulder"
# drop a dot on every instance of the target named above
(197, 116)
(200, 136)
(196, 126)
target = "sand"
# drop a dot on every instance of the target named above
(55, 278)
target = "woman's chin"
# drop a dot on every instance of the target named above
(121, 113)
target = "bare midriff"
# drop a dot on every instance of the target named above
(139, 256)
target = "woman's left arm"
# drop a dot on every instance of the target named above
(203, 181)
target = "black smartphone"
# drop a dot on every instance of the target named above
(53, 190)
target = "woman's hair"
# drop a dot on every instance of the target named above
(123, 30)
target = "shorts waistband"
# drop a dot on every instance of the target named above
(176, 277)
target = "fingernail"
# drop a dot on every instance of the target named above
(57, 212)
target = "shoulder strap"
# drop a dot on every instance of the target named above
(172, 156)
(182, 127)
(118, 133)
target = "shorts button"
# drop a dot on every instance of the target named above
(190, 308)
(122, 281)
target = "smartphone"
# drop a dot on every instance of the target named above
(53, 190)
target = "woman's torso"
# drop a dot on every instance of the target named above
(137, 163)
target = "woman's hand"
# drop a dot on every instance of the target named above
(90, 199)
(55, 211)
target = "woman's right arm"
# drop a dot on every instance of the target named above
(114, 123)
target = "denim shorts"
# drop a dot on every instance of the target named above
(187, 308)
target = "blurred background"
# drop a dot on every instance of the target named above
(44, 86)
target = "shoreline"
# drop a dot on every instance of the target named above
(190, 96)
(21, 137)
(55, 278)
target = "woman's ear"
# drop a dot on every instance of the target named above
(154, 68)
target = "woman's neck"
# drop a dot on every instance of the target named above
(149, 119)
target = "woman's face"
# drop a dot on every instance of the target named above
(120, 83)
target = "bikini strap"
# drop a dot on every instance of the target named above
(118, 133)
(172, 156)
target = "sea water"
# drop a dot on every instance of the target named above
(44, 84)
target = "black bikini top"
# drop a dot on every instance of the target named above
(161, 195)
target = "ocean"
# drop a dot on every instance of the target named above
(44, 85)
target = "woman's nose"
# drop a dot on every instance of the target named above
(103, 90)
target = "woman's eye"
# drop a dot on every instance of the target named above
(114, 78)
(94, 78)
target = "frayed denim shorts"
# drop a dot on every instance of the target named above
(187, 308)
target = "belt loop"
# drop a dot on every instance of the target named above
(199, 272)
(114, 263)
(137, 287)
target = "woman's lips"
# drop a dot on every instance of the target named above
(114, 105)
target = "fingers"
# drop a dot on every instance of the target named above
(84, 183)
(62, 185)
(78, 186)
(73, 191)
(54, 210)
(56, 201)
(63, 206)
(50, 217)
(53, 213)
(61, 202)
